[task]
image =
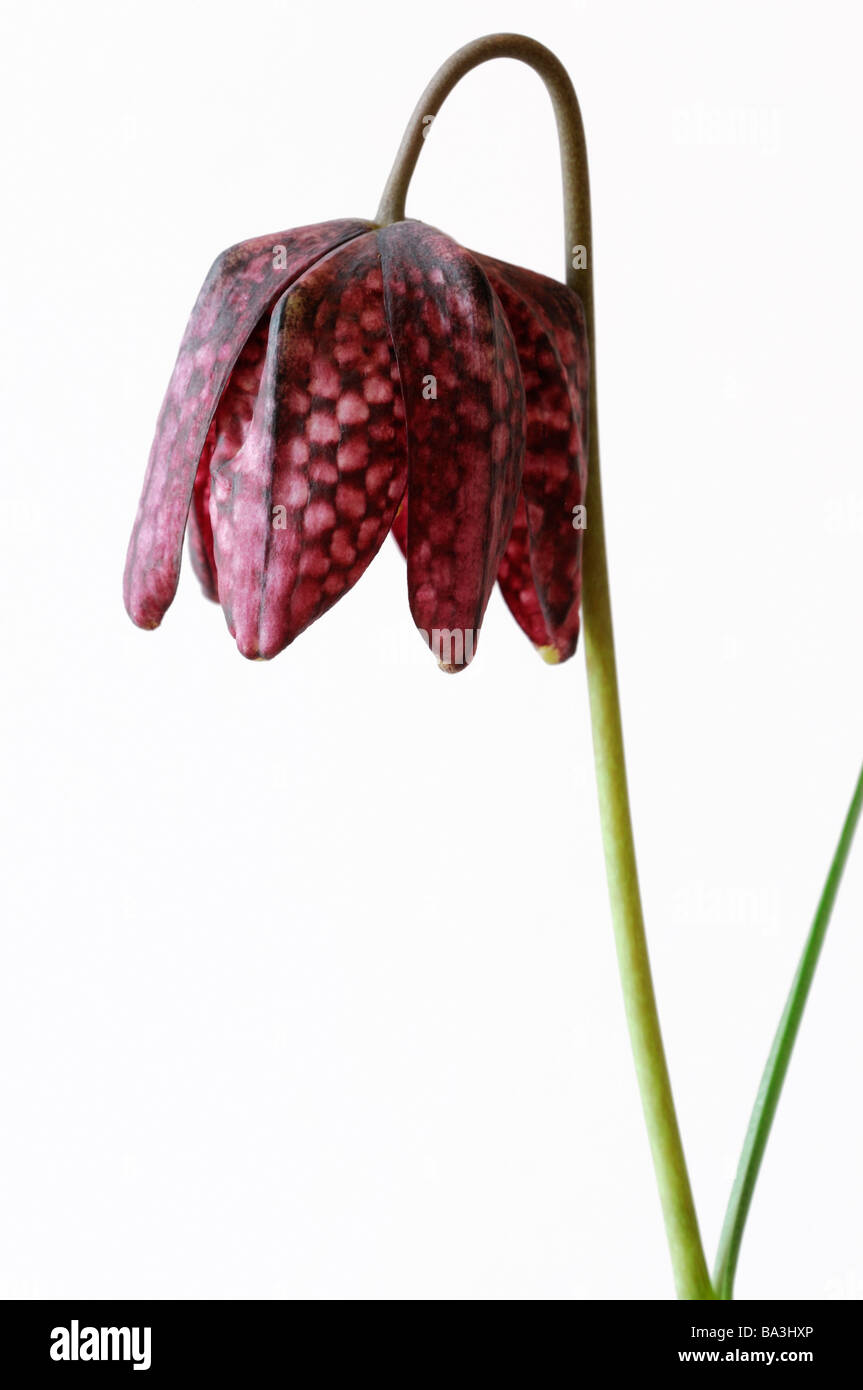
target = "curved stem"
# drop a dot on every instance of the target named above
(681, 1224)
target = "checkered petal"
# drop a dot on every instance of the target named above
(239, 290)
(304, 505)
(540, 575)
(464, 412)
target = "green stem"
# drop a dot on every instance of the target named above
(773, 1076)
(681, 1223)
(687, 1255)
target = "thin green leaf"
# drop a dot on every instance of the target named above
(777, 1064)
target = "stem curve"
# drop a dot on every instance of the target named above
(681, 1224)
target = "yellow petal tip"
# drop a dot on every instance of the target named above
(550, 655)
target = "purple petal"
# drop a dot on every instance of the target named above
(300, 511)
(464, 410)
(547, 320)
(241, 286)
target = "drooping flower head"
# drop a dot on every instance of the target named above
(343, 380)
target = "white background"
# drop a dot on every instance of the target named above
(307, 985)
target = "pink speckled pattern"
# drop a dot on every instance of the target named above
(241, 285)
(326, 444)
(466, 446)
(515, 578)
(547, 320)
(367, 380)
(226, 437)
(540, 570)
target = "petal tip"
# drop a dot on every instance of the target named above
(143, 612)
(453, 648)
(451, 668)
(252, 651)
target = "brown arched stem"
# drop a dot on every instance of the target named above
(681, 1224)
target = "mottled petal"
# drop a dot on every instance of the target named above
(306, 503)
(515, 578)
(516, 581)
(547, 320)
(227, 435)
(464, 408)
(240, 288)
(200, 532)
